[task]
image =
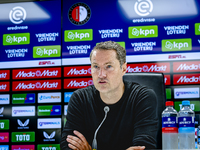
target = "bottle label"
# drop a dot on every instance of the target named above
(186, 122)
(169, 122)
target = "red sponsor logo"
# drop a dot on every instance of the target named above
(23, 147)
(167, 79)
(149, 67)
(170, 130)
(4, 86)
(36, 85)
(191, 66)
(46, 63)
(176, 56)
(36, 73)
(77, 83)
(186, 79)
(77, 71)
(4, 137)
(4, 74)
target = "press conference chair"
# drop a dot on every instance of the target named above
(156, 82)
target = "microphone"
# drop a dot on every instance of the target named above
(94, 143)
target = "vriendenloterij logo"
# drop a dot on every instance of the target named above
(17, 15)
(176, 45)
(16, 39)
(79, 13)
(78, 35)
(46, 51)
(143, 31)
(143, 7)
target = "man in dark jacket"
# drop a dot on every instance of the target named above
(112, 114)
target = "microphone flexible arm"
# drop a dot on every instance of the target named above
(94, 143)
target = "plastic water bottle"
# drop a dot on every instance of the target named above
(186, 130)
(169, 127)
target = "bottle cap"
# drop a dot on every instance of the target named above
(169, 103)
(186, 103)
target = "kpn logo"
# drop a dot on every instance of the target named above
(46, 51)
(16, 39)
(197, 28)
(143, 31)
(78, 35)
(176, 45)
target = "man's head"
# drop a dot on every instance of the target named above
(110, 45)
(108, 65)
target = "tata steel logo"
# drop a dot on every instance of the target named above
(17, 15)
(36, 85)
(36, 73)
(77, 83)
(79, 14)
(143, 7)
(148, 68)
(186, 66)
(187, 79)
(77, 71)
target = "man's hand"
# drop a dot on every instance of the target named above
(78, 143)
(136, 148)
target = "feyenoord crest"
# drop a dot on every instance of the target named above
(79, 13)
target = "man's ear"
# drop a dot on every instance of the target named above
(124, 68)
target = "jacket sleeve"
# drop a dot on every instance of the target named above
(146, 119)
(74, 120)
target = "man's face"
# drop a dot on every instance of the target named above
(106, 71)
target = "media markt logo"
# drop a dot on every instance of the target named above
(23, 136)
(46, 51)
(143, 31)
(143, 7)
(16, 39)
(78, 35)
(176, 45)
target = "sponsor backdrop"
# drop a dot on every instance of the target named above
(41, 64)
